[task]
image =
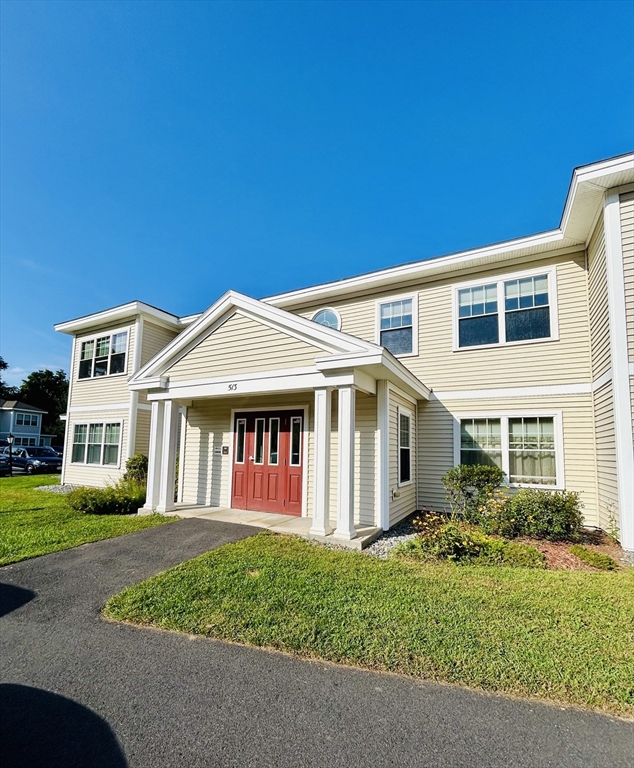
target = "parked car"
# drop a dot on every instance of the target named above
(4, 465)
(59, 450)
(34, 459)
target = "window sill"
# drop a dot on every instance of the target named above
(404, 485)
(502, 344)
(101, 378)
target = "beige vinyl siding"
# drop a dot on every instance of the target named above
(598, 303)
(207, 475)
(242, 345)
(627, 237)
(155, 338)
(93, 474)
(103, 390)
(142, 437)
(606, 455)
(532, 364)
(436, 448)
(405, 503)
(365, 460)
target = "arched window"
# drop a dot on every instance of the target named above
(328, 317)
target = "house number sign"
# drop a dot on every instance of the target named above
(232, 387)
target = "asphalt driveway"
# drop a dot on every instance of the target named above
(79, 691)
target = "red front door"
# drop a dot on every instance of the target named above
(267, 461)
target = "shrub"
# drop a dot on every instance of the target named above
(595, 559)
(125, 498)
(553, 515)
(469, 487)
(136, 468)
(462, 544)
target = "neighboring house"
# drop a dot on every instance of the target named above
(347, 402)
(24, 422)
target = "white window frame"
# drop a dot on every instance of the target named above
(83, 339)
(551, 274)
(88, 424)
(406, 412)
(504, 417)
(377, 320)
(328, 309)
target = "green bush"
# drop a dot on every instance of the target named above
(552, 515)
(595, 559)
(136, 468)
(125, 498)
(469, 487)
(464, 545)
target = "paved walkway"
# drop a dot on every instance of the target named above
(78, 691)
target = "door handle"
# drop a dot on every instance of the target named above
(250, 458)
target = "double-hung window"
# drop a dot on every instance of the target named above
(510, 310)
(26, 419)
(96, 443)
(526, 446)
(103, 356)
(397, 325)
(404, 447)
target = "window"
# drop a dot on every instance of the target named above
(404, 447)
(259, 441)
(296, 441)
(509, 310)
(103, 356)
(328, 317)
(396, 326)
(26, 419)
(96, 443)
(526, 446)
(274, 440)
(241, 427)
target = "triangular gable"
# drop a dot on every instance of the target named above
(236, 311)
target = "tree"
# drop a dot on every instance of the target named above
(48, 391)
(6, 392)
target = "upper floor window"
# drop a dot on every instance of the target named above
(509, 310)
(103, 356)
(328, 317)
(26, 419)
(397, 326)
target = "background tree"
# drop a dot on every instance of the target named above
(48, 391)
(6, 392)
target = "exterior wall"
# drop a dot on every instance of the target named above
(607, 489)
(365, 461)
(92, 474)
(598, 303)
(436, 448)
(253, 347)
(564, 361)
(155, 338)
(404, 500)
(627, 235)
(142, 437)
(104, 390)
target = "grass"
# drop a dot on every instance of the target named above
(595, 559)
(38, 522)
(565, 636)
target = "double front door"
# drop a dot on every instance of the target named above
(267, 461)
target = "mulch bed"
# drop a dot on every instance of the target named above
(559, 557)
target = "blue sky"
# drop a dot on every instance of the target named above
(170, 151)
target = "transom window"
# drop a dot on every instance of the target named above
(26, 419)
(396, 326)
(525, 447)
(328, 317)
(404, 447)
(507, 311)
(96, 443)
(103, 356)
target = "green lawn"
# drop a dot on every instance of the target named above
(561, 635)
(37, 522)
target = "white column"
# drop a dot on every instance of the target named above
(168, 456)
(154, 458)
(382, 518)
(345, 481)
(321, 500)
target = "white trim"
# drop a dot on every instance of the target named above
(510, 392)
(328, 309)
(382, 465)
(414, 297)
(499, 281)
(620, 368)
(171, 410)
(181, 453)
(410, 416)
(602, 380)
(134, 396)
(88, 424)
(99, 408)
(115, 314)
(302, 407)
(154, 463)
(345, 463)
(144, 407)
(322, 429)
(67, 435)
(504, 417)
(256, 376)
